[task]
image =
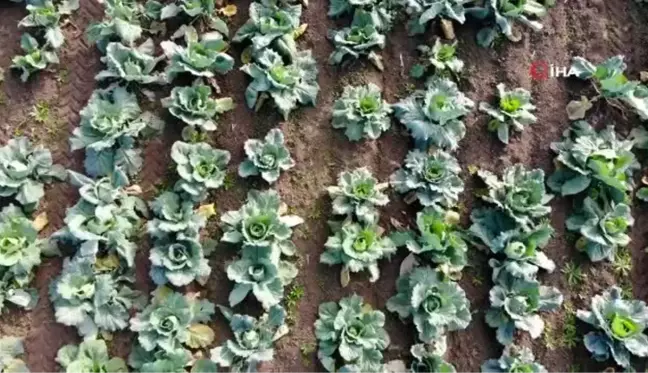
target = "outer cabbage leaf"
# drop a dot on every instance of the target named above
(362, 112)
(620, 325)
(286, 84)
(23, 171)
(267, 157)
(513, 112)
(351, 332)
(358, 194)
(434, 116)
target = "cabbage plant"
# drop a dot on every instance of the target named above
(432, 178)
(10, 359)
(433, 116)
(200, 168)
(36, 57)
(436, 305)
(612, 83)
(428, 357)
(178, 260)
(110, 124)
(261, 273)
(587, 159)
(518, 249)
(173, 320)
(362, 38)
(271, 24)
(24, 169)
(174, 215)
(131, 64)
(286, 84)
(620, 326)
(253, 341)
(358, 193)
(92, 299)
(121, 23)
(47, 15)
(203, 55)
(203, 10)
(380, 11)
(501, 16)
(520, 193)
(89, 356)
(350, 333)
(604, 228)
(103, 222)
(20, 254)
(195, 106)
(261, 221)
(421, 12)
(441, 58)
(357, 247)
(362, 112)
(514, 359)
(437, 240)
(513, 112)
(517, 304)
(267, 157)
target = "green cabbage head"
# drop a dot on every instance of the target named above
(362, 112)
(253, 341)
(620, 326)
(358, 247)
(513, 112)
(603, 228)
(514, 359)
(267, 157)
(433, 116)
(433, 178)
(200, 168)
(201, 57)
(351, 333)
(23, 171)
(437, 305)
(358, 193)
(286, 84)
(89, 356)
(516, 305)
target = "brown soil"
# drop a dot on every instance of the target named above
(595, 29)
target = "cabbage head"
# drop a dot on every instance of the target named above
(267, 157)
(358, 193)
(436, 305)
(352, 334)
(620, 326)
(513, 112)
(362, 112)
(24, 169)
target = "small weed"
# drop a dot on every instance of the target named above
(3, 99)
(574, 368)
(228, 182)
(622, 263)
(41, 112)
(573, 274)
(472, 169)
(306, 350)
(62, 76)
(477, 280)
(549, 339)
(569, 335)
(626, 290)
(292, 300)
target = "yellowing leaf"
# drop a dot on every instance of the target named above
(40, 222)
(246, 55)
(229, 10)
(299, 31)
(345, 276)
(200, 336)
(107, 263)
(207, 211)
